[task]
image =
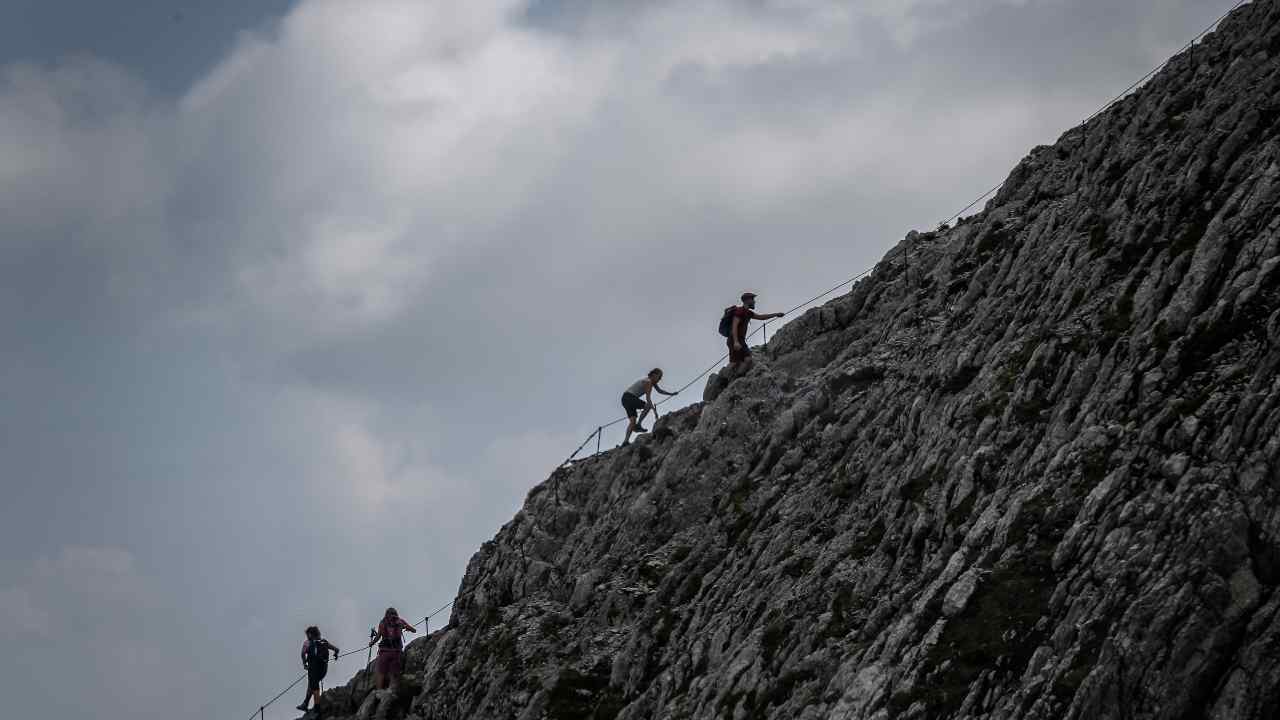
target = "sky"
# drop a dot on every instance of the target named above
(299, 299)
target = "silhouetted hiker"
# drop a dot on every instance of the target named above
(733, 325)
(315, 658)
(632, 403)
(390, 661)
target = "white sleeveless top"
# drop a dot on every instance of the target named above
(637, 388)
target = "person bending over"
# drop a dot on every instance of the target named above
(634, 404)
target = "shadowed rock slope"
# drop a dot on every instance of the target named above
(1026, 469)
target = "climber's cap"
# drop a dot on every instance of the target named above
(748, 296)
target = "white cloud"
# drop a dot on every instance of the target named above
(82, 146)
(103, 573)
(92, 603)
(910, 20)
(91, 579)
(385, 136)
(359, 464)
(367, 466)
(76, 560)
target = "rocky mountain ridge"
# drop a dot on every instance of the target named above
(1028, 468)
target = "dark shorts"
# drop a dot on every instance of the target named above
(315, 674)
(737, 356)
(388, 662)
(632, 404)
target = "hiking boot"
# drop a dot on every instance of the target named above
(640, 428)
(625, 443)
(303, 708)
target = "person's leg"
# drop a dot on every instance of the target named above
(735, 356)
(390, 668)
(381, 668)
(638, 405)
(629, 406)
(739, 360)
(311, 689)
(396, 671)
(394, 667)
(631, 420)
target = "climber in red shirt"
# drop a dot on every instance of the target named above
(741, 315)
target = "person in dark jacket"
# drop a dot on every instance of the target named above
(315, 658)
(390, 640)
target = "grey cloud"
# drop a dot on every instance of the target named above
(166, 44)
(20, 614)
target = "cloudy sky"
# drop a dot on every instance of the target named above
(298, 299)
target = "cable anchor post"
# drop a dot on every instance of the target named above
(599, 432)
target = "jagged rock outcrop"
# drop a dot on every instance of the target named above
(1029, 468)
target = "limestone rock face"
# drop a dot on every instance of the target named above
(1028, 468)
